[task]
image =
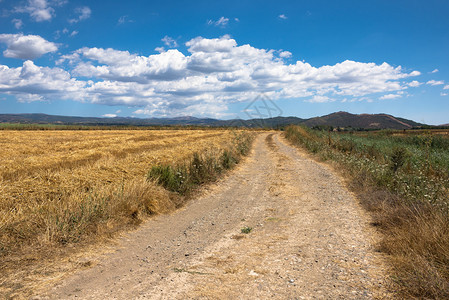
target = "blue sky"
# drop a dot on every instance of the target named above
(213, 58)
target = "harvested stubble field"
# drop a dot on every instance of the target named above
(63, 187)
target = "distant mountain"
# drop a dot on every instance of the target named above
(261, 123)
(365, 121)
(52, 119)
(338, 119)
(186, 120)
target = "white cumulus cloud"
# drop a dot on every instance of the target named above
(205, 81)
(123, 66)
(446, 87)
(170, 42)
(39, 10)
(414, 83)
(200, 44)
(285, 54)
(283, 17)
(390, 96)
(320, 99)
(434, 82)
(26, 46)
(31, 83)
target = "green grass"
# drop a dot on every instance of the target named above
(414, 167)
(246, 229)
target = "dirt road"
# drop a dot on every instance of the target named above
(309, 239)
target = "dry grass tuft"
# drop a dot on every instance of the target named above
(415, 238)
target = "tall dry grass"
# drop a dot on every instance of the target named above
(66, 188)
(414, 236)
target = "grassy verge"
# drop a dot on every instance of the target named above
(403, 181)
(202, 168)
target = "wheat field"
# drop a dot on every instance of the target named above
(58, 186)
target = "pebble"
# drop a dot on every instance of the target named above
(252, 273)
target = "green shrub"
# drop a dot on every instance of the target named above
(246, 229)
(173, 179)
(228, 160)
(398, 158)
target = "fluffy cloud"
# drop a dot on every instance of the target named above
(414, 83)
(110, 64)
(39, 10)
(17, 23)
(31, 83)
(390, 96)
(446, 87)
(285, 54)
(82, 13)
(320, 99)
(200, 44)
(283, 17)
(26, 46)
(213, 74)
(170, 42)
(434, 82)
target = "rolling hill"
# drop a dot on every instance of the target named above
(365, 121)
(338, 119)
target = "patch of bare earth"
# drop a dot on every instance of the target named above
(309, 239)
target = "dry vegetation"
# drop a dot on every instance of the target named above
(60, 188)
